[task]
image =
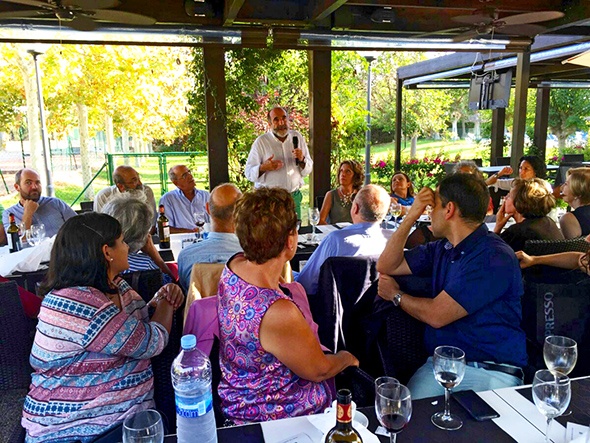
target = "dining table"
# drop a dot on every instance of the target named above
(518, 421)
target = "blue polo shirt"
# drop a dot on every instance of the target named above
(481, 274)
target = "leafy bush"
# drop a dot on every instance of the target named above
(427, 171)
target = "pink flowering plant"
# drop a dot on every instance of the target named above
(427, 171)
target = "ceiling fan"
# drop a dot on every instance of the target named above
(81, 15)
(488, 21)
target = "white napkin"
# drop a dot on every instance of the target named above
(28, 259)
(343, 224)
(325, 422)
(327, 228)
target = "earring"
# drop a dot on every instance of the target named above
(111, 258)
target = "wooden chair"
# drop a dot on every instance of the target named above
(204, 282)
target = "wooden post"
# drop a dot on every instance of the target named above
(498, 126)
(214, 70)
(542, 121)
(320, 124)
(523, 70)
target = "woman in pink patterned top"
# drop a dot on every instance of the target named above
(272, 365)
(94, 338)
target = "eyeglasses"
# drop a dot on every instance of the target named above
(186, 175)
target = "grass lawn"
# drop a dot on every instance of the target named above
(465, 148)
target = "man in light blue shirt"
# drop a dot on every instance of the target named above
(363, 238)
(184, 204)
(222, 242)
(32, 208)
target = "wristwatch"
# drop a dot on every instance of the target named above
(397, 298)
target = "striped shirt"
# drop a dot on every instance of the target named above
(91, 363)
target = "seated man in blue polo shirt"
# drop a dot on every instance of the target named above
(185, 203)
(476, 287)
(32, 208)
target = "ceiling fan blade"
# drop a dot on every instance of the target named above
(26, 14)
(122, 17)
(525, 29)
(465, 36)
(473, 19)
(91, 4)
(531, 17)
(35, 3)
(81, 23)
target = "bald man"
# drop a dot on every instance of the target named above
(185, 203)
(222, 242)
(126, 179)
(33, 208)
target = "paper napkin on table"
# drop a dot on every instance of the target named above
(326, 228)
(28, 259)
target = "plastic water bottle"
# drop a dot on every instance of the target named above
(191, 378)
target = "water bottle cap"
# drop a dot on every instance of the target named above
(188, 341)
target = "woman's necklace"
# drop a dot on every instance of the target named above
(345, 199)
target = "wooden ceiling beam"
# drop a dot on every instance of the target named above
(231, 10)
(323, 8)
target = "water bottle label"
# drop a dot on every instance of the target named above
(191, 407)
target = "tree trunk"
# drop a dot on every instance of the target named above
(84, 158)
(125, 144)
(477, 129)
(464, 131)
(110, 133)
(454, 131)
(137, 149)
(413, 146)
(27, 67)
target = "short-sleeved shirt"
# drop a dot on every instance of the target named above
(52, 212)
(180, 210)
(481, 274)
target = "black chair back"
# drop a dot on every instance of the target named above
(319, 201)
(448, 167)
(546, 247)
(341, 286)
(477, 161)
(556, 302)
(561, 175)
(145, 283)
(573, 158)
(87, 206)
(502, 161)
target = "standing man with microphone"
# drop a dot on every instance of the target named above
(279, 158)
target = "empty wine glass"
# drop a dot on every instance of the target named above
(200, 223)
(314, 219)
(449, 368)
(552, 394)
(35, 234)
(393, 405)
(143, 427)
(560, 354)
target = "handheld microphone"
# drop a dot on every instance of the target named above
(296, 146)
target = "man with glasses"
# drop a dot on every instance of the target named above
(186, 203)
(280, 158)
(126, 180)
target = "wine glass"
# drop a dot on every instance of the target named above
(395, 209)
(35, 234)
(449, 368)
(552, 394)
(314, 219)
(560, 354)
(393, 405)
(200, 222)
(143, 427)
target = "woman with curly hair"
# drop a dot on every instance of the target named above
(337, 202)
(528, 202)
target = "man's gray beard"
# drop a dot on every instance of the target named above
(276, 132)
(138, 193)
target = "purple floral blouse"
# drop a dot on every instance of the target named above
(255, 385)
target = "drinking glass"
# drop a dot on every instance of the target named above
(314, 219)
(395, 209)
(560, 354)
(143, 427)
(449, 368)
(393, 405)
(388, 216)
(200, 222)
(552, 394)
(35, 234)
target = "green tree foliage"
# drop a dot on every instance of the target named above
(569, 110)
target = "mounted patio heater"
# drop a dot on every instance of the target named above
(490, 90)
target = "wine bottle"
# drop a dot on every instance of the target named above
(163, 229)
(13, 235)
(343, 431)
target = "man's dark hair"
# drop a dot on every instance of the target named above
(77, 258)
(469, 193)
